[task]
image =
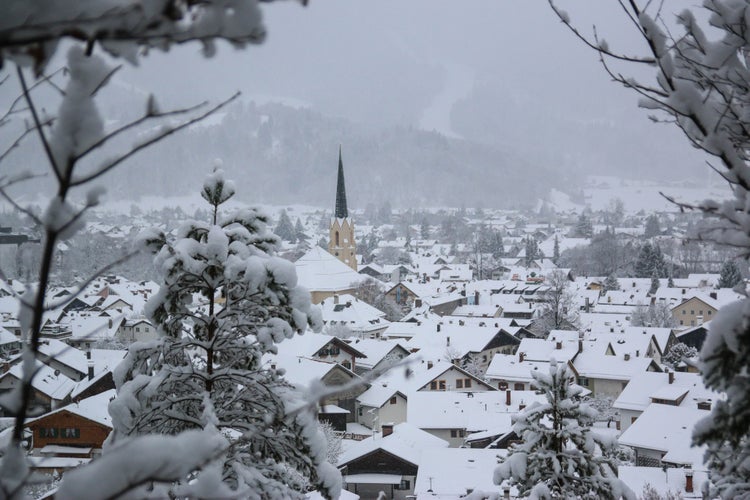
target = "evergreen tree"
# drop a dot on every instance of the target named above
(611, 283)
(559, 455)
(654, 283)
(730, 275)
(584, 228)
(677, 353)
(496, 248)
(670, 282)
(225, 301)
(285, 229)
(650, 262)
(556, 250)
(725, 359)
(424, 229)
(532, 250)
(299, 230)
(652, 227)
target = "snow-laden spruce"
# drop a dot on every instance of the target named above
(559, 455)
(224, 302)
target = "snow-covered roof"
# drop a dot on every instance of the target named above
(406, 442)
(95, 408)
(309, 344)
(477, 411)
(592, 364)
(668, 429)
(663, 481)
(639, 392)
(355, 314)
(452, 472)
(48, 381)
(318, 270)
(376, 350)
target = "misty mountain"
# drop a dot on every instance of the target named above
(279, 154)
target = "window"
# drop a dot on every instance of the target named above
(454, 433)
(394, 400)
(63, 432)
(700, 311)
(405, 484)
(518, 386)
(346, 364)
(583, 381)
(684, 312)
(709, 312)
(692, 312)
(459, 384)
(682, 322)
(633, 419)
(137, 328)
(359, 412)
(458, 433)
(441, 385)
(433, 386)
(467, 382)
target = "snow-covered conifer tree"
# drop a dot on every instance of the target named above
(285, 229)
(730, 275)
(702, 85)
(225, 301)
(559, 455)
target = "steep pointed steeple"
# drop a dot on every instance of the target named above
(341, 210)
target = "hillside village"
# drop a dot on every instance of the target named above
(462, 326)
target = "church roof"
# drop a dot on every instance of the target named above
(341, 211)
(318, 270)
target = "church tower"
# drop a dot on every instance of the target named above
(341, 236)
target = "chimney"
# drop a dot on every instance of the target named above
(429, 365)
(580, 345)
(476, 298)
(689, 481)
(558, 345)
(387, 429)
(507, 397)
(671, 376)
(520, 357)
(713, 295)
(447, 341)
(506, 492)
(417, 303)
(335, 299)
(91, 369)
(521, 406)
(438, 327)
(627, 356)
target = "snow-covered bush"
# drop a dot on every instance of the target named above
(225, 301)
(559, 455)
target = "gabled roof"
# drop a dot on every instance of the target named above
(451, 473)
(309, 344)
(94, 408)
(376, 350)
(477, 411)
(638, 394)
(318, 270)
(406, 442)
(48, 381)
(668, 429)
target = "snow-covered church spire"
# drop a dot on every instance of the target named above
(341, 243)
